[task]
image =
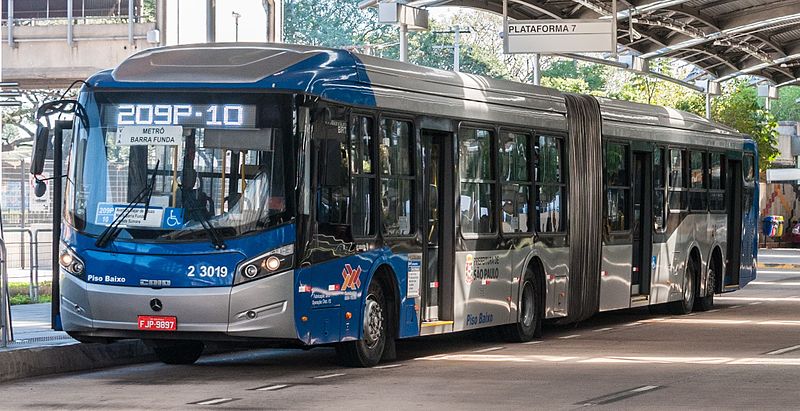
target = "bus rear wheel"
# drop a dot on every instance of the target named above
(706, 303)
(685, 304)
(178, 353)
(529, 325)
(368, 351)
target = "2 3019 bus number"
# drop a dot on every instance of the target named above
(207, 271)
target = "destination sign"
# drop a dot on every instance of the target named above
(187, 115)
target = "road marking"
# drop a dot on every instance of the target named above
(383, 367)
(784, 350)
(603, 329)
(618, 396)
(636, 323)
(532, 342)
(768, 299)
(713, 311)
(274, 387)
(756, 303)
(490, 349)
(213, 401)
(326, 376)
(787, 283)
(734, 306)
(567, 337)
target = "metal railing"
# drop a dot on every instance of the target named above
(133, 16)
(26, 255)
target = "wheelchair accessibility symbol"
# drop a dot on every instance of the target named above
(173, 218)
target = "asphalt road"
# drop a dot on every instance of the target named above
(745, 354)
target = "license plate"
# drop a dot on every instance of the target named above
(157, 323)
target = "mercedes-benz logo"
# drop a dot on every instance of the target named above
(156, 305)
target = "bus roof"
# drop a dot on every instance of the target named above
(364, 80)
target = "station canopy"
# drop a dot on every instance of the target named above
(723, 38)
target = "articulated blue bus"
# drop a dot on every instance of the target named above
(278, 194)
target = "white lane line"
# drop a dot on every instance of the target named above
(776, 283)
(632, 324)
(713, 311)
(326, 376)
(567, 337)
(490, 349)
(756, 303)
(213, 401)
(532, 342)
(784, 350)
(272, 387)
(734, 306)
(603, 329)
(383, 367)
(619, 395)
(768, 299)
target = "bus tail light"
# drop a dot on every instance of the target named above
(265, 265)
(70, 262)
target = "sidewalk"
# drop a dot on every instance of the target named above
(38, 350)
(779, 258)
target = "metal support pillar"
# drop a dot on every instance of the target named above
(58, 201)
(403, 42)
(708, 106)
(10, 23)
(161, 21)
(70, 23)
(537, 70)
(457, 48)
(5, 308)
(130, 21)
(211, 17)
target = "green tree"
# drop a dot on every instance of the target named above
(738, 108)
(334, 23)
(786, 108)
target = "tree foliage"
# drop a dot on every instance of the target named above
(787, 107)
(738, 108)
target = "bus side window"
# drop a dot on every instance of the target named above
(333, 191)
(717, 186)
(659, 185)
(477, 207)
(677, 180)
(362, 149)
(397, 177)
(698, 200)
(550, 185)
(618, 187)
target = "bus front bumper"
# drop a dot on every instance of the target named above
(262, 309)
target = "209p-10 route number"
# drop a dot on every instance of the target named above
(207, 271)
(157, 323)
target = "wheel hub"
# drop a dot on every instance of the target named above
(373, 322)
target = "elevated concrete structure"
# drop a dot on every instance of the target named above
(40, 56)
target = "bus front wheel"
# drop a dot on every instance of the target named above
(368, 351)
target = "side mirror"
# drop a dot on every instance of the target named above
(39, 153)
(40, 188)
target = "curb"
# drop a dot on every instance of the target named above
(32, 362)
(783, 266)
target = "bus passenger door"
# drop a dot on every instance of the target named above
(642, 223)
(438, 228)
(734, 199)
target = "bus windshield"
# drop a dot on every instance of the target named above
(212, 159)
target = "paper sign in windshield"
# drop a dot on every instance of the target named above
(157, 217)
(107, 212)
(149, 135)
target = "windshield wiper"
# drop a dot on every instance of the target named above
(112, 231)
(195, 209)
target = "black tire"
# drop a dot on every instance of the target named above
(367, 352)
(529, 325)
(684, 305)
(707, 302)
(178, 353)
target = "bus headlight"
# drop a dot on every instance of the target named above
(265, 265)
(70, 262)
